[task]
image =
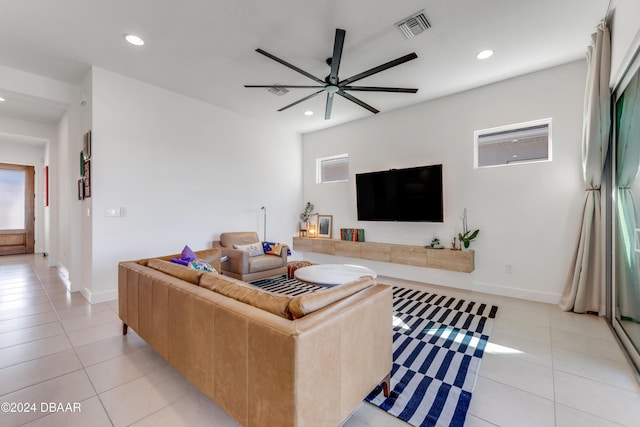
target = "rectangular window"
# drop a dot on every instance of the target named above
(332, 169)
(519, 143)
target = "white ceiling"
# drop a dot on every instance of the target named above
(205, 49)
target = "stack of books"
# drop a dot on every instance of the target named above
(352, 234)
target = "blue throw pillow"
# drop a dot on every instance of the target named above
(268, 247)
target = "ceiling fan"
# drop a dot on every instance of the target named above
(333, 85)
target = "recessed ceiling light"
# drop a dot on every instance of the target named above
(2, 99)
(133, 39)
(484, 54)
(308, 113)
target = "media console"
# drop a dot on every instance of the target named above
(444, 259)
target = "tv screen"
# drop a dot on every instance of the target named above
(407, 195)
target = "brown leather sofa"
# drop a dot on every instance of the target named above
(244, 267)
(266, 359)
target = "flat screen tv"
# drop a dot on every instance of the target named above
(407, 195)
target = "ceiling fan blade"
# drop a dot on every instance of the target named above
(293, 67)
(357, 101)
(379, 68)
(302, 100)
(285, 86)
(337, 56)
(377, 89)
(327, 110)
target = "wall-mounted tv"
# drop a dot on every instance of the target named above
(411, 195)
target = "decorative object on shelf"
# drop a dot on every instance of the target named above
(325, 225)
(305, 216)
(352, 234)
(435, 243)
(467, 236)
(312, 230)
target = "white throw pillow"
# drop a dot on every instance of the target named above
(254, 249)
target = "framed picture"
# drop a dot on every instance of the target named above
(81, 189)
(325, 225)
(87, 179)
(86, 146)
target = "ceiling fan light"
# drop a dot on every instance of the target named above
(134, 40)
(485, 54)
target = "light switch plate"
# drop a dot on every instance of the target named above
(113, 212)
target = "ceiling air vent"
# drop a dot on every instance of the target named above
(278, 90)
(414, 24)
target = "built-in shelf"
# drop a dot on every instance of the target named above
(419, 256)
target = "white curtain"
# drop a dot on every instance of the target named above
(585, 287)
(627, 166)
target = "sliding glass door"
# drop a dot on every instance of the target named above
(626, 232)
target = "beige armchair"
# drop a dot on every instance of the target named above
(244, 267)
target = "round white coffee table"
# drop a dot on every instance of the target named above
(332, 274)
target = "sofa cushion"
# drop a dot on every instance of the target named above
(302, 305)
(243, 292)
(176, 270)
(264, 262)
(254, 249)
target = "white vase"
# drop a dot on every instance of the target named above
(304, 225)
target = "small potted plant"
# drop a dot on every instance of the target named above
(435, 242)
(467, 236)
(306, 215)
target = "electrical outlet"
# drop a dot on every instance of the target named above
(508, 268)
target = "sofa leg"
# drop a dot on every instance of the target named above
(386, 385)
(125, 329)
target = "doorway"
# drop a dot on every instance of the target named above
(17, 215)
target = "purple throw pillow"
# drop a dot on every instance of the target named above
(186, 256)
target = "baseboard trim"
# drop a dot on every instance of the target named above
(98, 297)
(527, 294)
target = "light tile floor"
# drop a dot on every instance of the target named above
(543, 367)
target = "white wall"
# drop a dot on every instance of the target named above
(528, 214)
(184, 171)
(625, 35)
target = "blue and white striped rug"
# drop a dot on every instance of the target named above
(438, 343)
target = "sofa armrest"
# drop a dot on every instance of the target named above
(238, 261)
(283, 253)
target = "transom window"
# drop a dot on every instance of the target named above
(332, 169)
(512, 144)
